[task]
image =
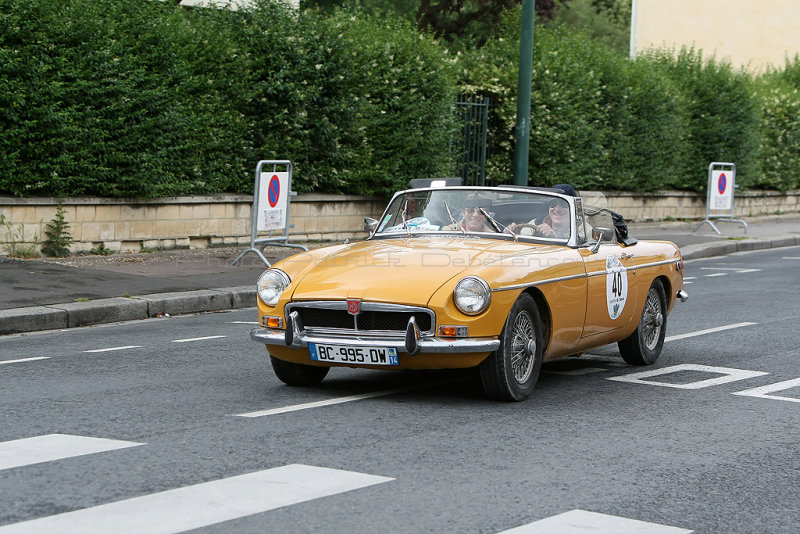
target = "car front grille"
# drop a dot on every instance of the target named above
(374, 317)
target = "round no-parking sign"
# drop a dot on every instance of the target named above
(274, 191)
(272, 200)
(721, 189)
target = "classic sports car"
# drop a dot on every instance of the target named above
(502, 278)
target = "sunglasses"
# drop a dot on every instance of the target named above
(473, 210)
(557, 204)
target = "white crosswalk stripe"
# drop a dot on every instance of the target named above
(203, 504)
(583, 522)
(27, 451)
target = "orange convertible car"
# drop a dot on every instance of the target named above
(502, 278)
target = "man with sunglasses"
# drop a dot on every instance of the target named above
(472, 215)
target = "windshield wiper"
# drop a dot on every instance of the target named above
(453, 219)
(496, 224)
(403, 215)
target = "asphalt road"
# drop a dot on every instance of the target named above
(196, 432)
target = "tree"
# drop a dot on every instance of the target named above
(475, 19)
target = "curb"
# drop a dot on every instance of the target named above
(76, 314)
(711, 250)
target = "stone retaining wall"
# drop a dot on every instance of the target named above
(224, 220)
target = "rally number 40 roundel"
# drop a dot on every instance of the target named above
(616, 286)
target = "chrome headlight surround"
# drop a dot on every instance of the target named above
(472, 295)
(271, 285)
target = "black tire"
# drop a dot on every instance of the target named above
(643, 347)
(510, 373)
(297, 374)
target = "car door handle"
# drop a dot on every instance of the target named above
(626, 256)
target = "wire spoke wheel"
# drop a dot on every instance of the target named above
(523, 347)
(510, 373)
(652, 320)
(643, 346)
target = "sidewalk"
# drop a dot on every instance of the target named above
(85, 290)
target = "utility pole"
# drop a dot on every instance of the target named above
(522, 133)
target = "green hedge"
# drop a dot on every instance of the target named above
(124, 98)
(779, 129)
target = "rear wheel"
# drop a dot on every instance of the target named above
(643, 347)
(510, 373)
(297, 374)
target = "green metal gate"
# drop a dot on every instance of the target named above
(468, 146)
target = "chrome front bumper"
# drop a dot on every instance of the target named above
(295, 336)
(438, 345)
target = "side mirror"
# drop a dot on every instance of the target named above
(370, 225)
(599, 233)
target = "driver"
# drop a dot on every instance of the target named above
(556, 224)
(472, 218)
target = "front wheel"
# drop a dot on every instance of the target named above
(297, 374)
(510, 373)
(643, 347)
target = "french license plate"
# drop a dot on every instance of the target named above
(356, 355)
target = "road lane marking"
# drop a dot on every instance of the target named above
(349, 398)
(763, 392)
(734, 269)
(715, 274)
(582, 522)
(39, 449)
(109, 349)
(327, 402)
(25, 360)
(187, 340)
(204, 504)
(576, 372)
(729, 375)
(708, 331)
(245, 322)
(791, 258)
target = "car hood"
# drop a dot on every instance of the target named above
(405, 271)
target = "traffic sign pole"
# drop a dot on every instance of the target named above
(276, 216)
(720, 197)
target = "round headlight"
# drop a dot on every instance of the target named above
(270, 285)
(472, 295)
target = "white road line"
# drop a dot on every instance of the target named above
(735, 269)
(47, 448)
(109, 349)
(327, 402)
(728, 375)
(245, 322)
(195, 339)
(791, 258)
(707, 331)
(763, 392)
(576, 372)
(349, 398)
(689, 278)
(25, 360)
(204, 504)
(582, 522)
(715, 274)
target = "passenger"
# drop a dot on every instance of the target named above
(472, 218)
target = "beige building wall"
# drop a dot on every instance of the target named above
(749, 34)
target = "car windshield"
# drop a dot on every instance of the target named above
(477, 210)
